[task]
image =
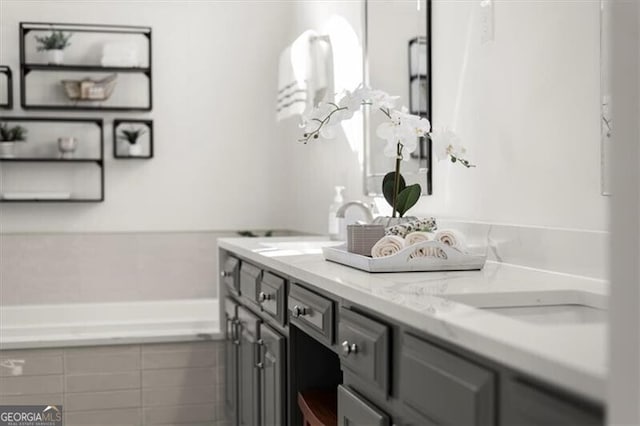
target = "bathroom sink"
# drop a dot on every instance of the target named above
(547, 307)
(553, 315)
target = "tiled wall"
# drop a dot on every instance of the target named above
(152, 384)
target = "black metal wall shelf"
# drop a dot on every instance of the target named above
(51, 160)
(118, 154)
(28, 66)
(9, 77)
(84, 68)
(99, 161)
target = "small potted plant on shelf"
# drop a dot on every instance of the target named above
(132, 136)
(8, 137)
(53, 45)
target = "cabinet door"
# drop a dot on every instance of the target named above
(231, 360)
(272, 366)
(527, 405)
(364, 345)
(248, 379)
(353, 410)
(444, 388)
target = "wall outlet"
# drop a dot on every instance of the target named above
(486, 21)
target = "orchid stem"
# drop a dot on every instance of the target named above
(396, 179)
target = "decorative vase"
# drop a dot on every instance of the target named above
(7, 149)
(135, 150)
(55, 56)
(67, 146)
(388, 221)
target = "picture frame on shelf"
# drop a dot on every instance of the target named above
(133, 139)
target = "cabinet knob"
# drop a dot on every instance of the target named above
(260, 365)
(225, 274)
(262, 296)
(298, 311)
(348, 348)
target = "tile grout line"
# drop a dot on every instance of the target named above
(64, 385)
(142, 419)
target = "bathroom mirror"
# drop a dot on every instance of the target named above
(397, 60)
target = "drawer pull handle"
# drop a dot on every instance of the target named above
(225, 274)
(348, 348)
(263, 296)
(297, 311)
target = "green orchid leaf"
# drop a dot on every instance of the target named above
(407, 198)
(388, 185)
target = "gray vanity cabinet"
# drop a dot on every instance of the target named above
(248, 377)
(285, 337)
(353, 410)
(231, 360)
(272, 367)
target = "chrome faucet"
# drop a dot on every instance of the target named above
(368, 211)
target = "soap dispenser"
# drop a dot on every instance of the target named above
(334, 221)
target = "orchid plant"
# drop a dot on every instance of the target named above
(401, 132)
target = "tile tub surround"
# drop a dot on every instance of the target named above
(109, 267)
(115, 267)
(570, 356)
(124, 385)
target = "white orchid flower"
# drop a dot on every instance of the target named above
(383, 100)
(405, 129)
(447, 143)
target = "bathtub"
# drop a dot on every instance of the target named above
(89, 324)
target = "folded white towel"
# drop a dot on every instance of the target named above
(387, 246)
(417, 237)
(434, 252)
(452, 238)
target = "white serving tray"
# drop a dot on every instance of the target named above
(401, 261)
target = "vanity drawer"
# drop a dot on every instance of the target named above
(528, 404)
(230, 275)
(443, 388)
(250, 277)
(311, 312)
(355, 410)
(364, 346)
(272, 296)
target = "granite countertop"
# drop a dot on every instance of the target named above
(569, 354)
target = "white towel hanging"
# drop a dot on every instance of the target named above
(305, 75)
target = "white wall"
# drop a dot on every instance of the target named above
(526, 106)
(215, 164)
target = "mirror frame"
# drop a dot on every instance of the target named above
(366, 111)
